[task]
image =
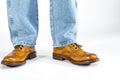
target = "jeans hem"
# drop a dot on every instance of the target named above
(64, 43)
(24, 43)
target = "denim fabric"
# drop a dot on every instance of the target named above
(23, 21)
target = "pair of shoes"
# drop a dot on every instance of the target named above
(71, 52)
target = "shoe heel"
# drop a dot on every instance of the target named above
(32, 55)
(58, 57)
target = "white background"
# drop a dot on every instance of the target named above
(98, 31)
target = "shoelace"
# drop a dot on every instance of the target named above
(75, 45)
(78, 45)
(19, 47)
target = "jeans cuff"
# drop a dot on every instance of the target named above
(64, 43)
(24, 43)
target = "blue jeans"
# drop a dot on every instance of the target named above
(23, 21)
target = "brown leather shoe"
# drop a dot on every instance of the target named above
(74, 54)
(19, 56)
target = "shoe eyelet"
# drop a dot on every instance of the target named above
(75, 47)
(20, 48)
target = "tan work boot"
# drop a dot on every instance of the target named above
(19, 56)
(74, 54)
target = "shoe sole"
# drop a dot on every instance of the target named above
(94, 60)
(62, 58)
(15, 64)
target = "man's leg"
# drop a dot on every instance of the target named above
(63, 21)
(64, 31)
(23, 26)
(23, 21)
